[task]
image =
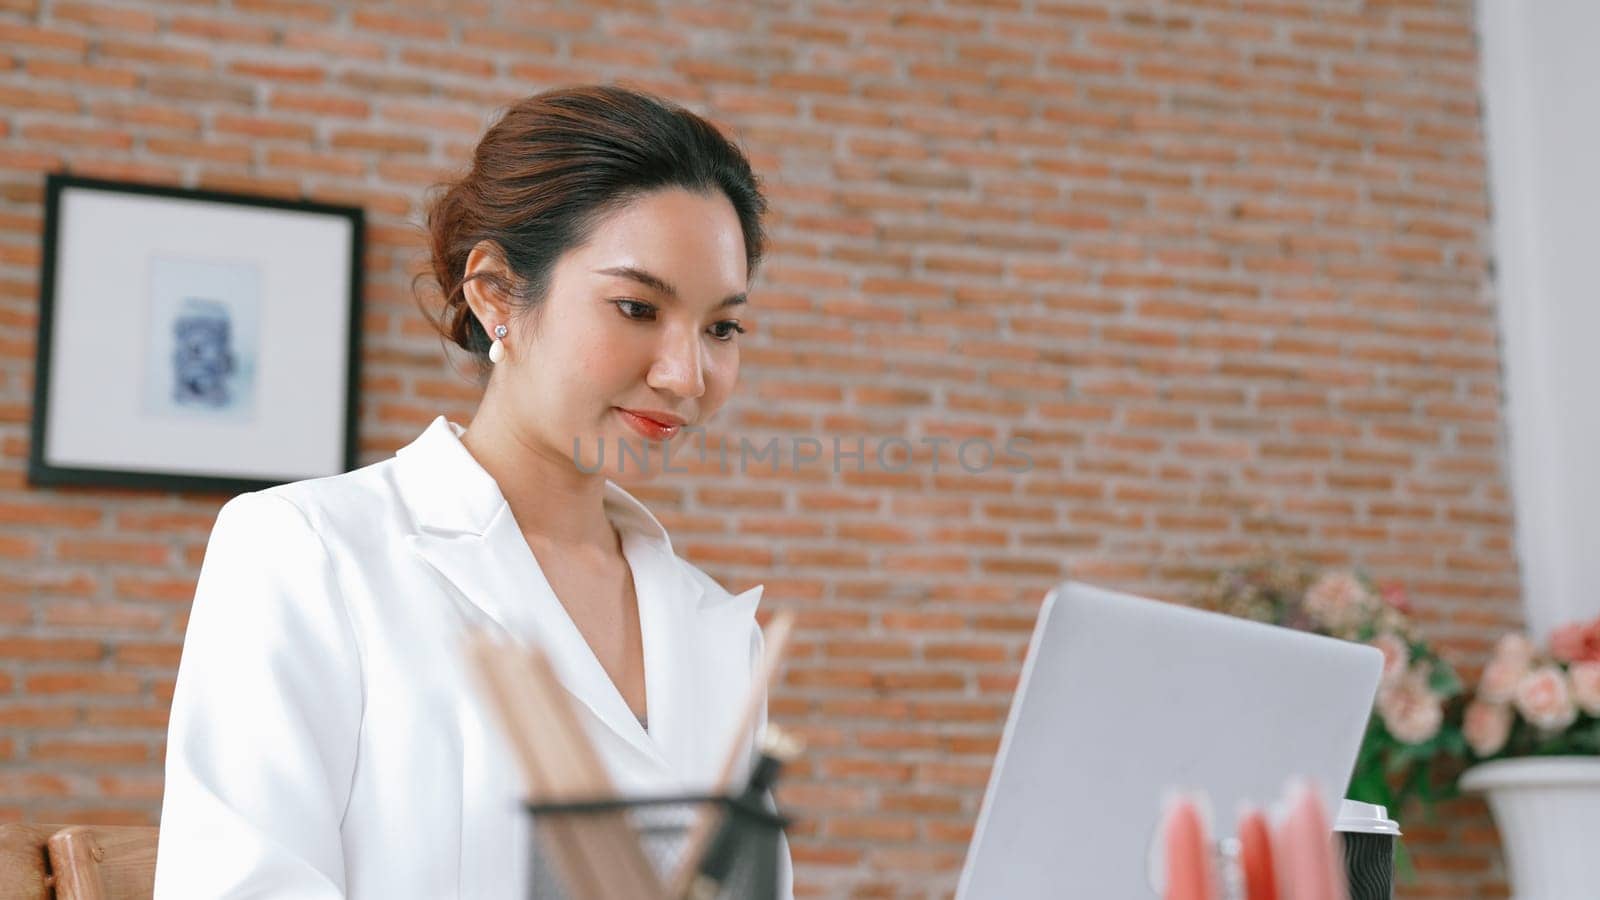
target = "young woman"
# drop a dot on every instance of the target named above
(327, 737)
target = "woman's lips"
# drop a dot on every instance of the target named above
(648, 428)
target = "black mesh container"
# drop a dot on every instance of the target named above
(743, 847)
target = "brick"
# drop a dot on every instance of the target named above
(158, 653)
(100, 138)
(872, 829)
(81, 682)
(106, 16)
(156, 54)
(50, 584)
(126, 717)
(395, 25)
(452, 61)
(48, 39)
(433, 117)
(122, 617)
(36, 716)
(32, 785)
(517, 41)
(319, 104)
(333, 44)
(234, 183)
(145, 787)
(276, 72)
(222, 30)
(314, 162)
(377, 141)
(150, 553)
(211, 89)
(367, 82)
(48, 100)
(95, 752)
(165, 521)
(18, 547)
(319, 13)
(107, 111)
(52, 649)
(49, 71)
(235, 154)
(94, 815)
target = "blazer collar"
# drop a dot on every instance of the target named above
(465, 530)
(449, 491)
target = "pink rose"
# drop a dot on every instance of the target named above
(1486, 727)
(1395, 596)
(1396, 654)
(1577, 642)
(1544, 699)
(1515, 646)
(1409, 709)
(1339, 602)
(1513, 656)
(1586, 686)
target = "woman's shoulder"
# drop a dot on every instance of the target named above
(326, 504)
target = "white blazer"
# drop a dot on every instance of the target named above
(327, 739)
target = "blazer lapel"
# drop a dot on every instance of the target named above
(465, 531)
(696, 636)
(697, 645)
(498, 574)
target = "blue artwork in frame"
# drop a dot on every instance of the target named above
(194, 340)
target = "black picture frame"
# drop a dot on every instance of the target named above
(181, 330)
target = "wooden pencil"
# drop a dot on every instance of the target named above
(598, 855)
(701, 831)
(520, 725)
(609, 840)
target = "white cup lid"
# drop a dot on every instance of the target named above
(1364, 818)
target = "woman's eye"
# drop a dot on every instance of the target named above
(633, 309)
(732, 326)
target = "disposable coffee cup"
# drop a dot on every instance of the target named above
(1368, 836)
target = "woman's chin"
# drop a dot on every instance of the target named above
(623, 456)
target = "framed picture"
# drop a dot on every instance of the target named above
(194, 340)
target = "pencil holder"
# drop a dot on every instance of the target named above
(742, 843)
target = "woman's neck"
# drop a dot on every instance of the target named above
(549, 497)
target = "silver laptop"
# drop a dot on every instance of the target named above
(1124, 699)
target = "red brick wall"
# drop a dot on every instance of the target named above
(1223, 262)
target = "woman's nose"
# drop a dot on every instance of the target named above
(678, 366)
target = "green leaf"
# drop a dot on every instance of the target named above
(1443, 680)
(1404, 869)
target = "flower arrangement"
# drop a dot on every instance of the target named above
(1533, 702)
(1413, 735)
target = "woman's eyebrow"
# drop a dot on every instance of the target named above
(656, 283)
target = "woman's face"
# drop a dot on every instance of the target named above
(642, 319)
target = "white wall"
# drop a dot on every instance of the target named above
(1541, 78)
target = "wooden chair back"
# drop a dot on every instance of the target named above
(104, 862)
(24, 861)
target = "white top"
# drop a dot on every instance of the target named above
(327, 739)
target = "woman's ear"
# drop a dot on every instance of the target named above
(487, 302)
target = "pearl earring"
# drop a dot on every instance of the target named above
(497, 350)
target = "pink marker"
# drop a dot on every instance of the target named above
(1189, 872)
(1303, 849)
(1255, 857)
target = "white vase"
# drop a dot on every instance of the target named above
(1547, 809)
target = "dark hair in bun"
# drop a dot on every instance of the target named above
(551, 167)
